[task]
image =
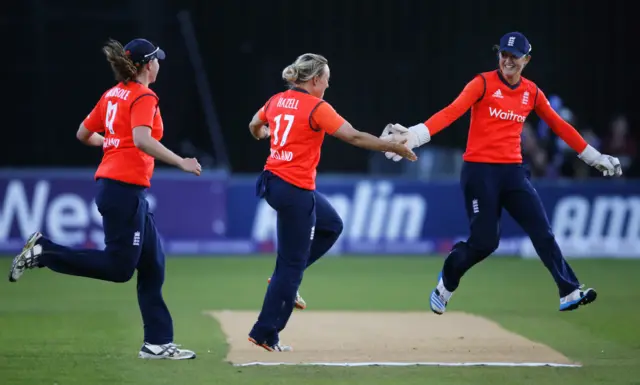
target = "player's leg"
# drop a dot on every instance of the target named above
(481, 189)
(158, 325)
(522, 202)
(328, 228)
(327, 231)
(295, 219)
(123, 223)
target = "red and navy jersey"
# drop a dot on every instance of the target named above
(119, 110)
(498, 113)
(298, 122)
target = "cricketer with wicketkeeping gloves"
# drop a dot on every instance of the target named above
(493, 176)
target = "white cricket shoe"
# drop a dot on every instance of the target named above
(27, 259)
(168, 351)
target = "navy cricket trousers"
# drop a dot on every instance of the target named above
(132, 243)
(488, 188)
(307, 227)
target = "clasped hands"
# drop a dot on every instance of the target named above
(413, 137)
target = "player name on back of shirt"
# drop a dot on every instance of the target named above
(290, 103)
(117, 92)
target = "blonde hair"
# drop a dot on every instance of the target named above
(305, 68)
(123, 68)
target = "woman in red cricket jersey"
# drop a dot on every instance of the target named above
(129, 116)
(307, 224)
(493, 176)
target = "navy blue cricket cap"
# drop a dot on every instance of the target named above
(142, 51)
(515, 43)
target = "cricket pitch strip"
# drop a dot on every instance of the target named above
(345, 338)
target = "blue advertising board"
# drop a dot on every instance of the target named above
(220, 215)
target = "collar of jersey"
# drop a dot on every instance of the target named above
(502, 79)
(300, 90)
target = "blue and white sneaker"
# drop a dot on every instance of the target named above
(168, 351)
(577, 298)
(440, 296)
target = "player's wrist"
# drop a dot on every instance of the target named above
(395, 147)
(422, 133)
(589, 155)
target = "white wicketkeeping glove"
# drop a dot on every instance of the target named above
(416, 136)
(607, 164)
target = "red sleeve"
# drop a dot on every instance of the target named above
(563, 129)
(93, 121)
(262, 115)
(262, 112)
(143, 111)
(325, 117)
(471, 93)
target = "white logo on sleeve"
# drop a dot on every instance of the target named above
(136, 238)
(475, 206)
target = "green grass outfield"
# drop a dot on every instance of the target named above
(63, 330)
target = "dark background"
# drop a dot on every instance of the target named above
(391, 61)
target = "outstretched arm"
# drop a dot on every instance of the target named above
(559, 126)
(347, 133)
(442, 119)
(608, 165)
(327, 119)
(421, 133)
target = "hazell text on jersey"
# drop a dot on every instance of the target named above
(290, 103)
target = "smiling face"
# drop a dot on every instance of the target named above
(510, 65)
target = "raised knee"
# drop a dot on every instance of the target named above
(339, 226)
(122, 275)
(485, 247)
